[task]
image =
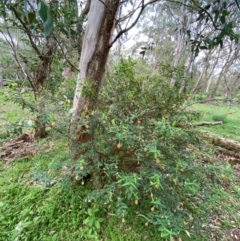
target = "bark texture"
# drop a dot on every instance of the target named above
(94, 55)
(45, 62)
(95, 50)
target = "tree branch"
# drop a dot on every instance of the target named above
(133, 24)
(28, 32)
(208, 14)
(237, 3)
(65, 57)
(13, 47)
(106, 7)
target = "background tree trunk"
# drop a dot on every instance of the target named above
(45, 62)
(180, 43)
(195, 88)
(1, 79)
(232, 56)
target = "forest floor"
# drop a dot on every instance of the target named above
(32, 207)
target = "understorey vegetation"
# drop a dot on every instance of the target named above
(145, 173)
(98, 145)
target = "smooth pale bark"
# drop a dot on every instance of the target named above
(95, 50)
(233, 55)
(195, 88)
(186, 72)
(180, 44)
(206, 123)
(80, 22)
(209, 76)
(1, 79)
(94, 55)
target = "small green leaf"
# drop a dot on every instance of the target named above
(25, 8)
(31, 17)
(45, 14)
(223, 32)
(48, 25)
(203, 47)
(216, 16)
(43, 11)
(222, 19)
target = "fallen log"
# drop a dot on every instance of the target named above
(206, 123)
(222, 142)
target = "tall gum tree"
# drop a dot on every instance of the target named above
(95, 50)
(96, 46)
(94, 55)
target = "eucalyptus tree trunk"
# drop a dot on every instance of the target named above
(1, 79)
(227, 93)
(191, 59)
(94, 55)
(180, 43)
(208, 76)
(236, 86)
(232, 56)
(186, 73)
(205, 65)
(95, 50)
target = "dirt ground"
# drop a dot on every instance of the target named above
(19, 147)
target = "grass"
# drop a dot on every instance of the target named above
(11, 114)
(32, 208)
(231, 117)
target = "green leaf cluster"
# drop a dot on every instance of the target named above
(140, 157)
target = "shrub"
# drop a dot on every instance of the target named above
(238, 96)
(139, 158)
(222, 118)
(200, 97)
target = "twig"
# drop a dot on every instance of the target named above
(141, 215)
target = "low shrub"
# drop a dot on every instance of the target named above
(199, 97)
(222, 118)
(140, 156)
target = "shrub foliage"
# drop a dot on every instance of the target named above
(140, 155)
